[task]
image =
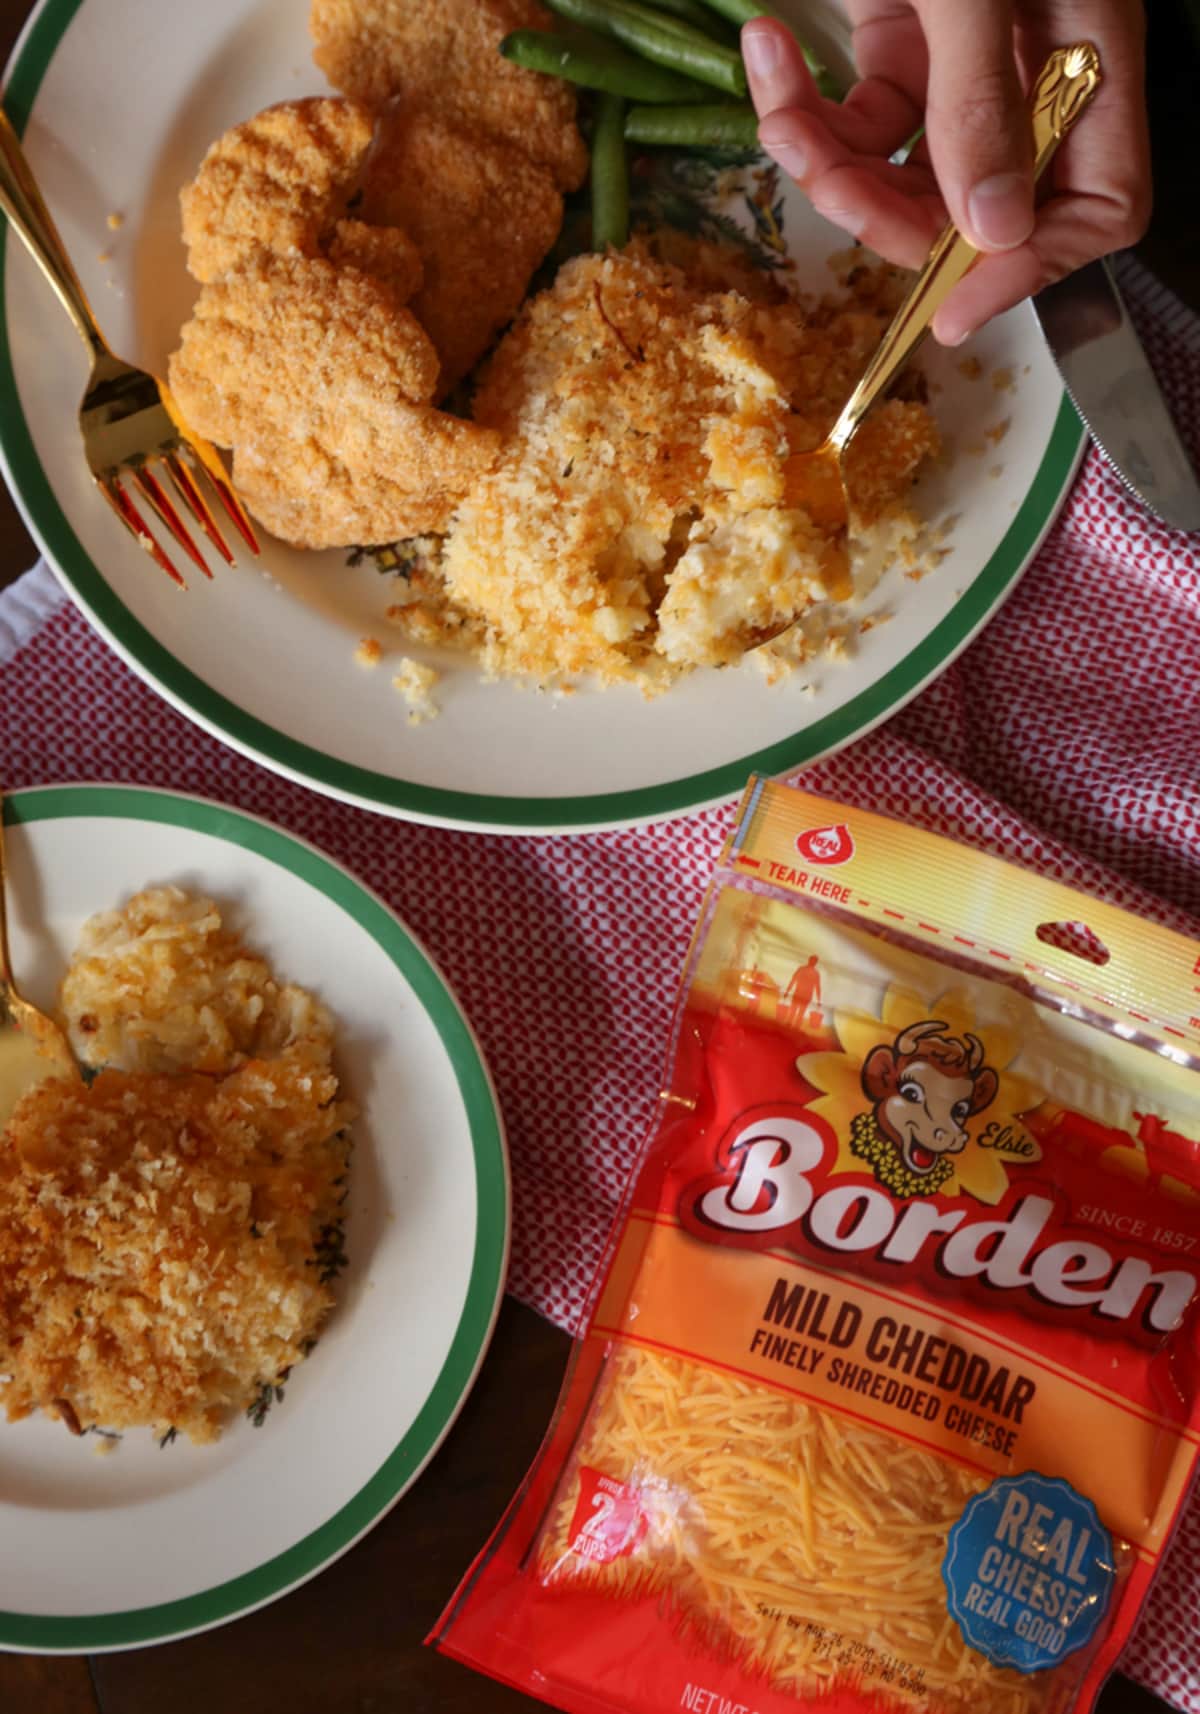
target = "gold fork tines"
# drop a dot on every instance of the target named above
(134, 439)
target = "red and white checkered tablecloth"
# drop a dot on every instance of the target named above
(1067, 738)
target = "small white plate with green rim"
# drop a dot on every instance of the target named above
(153, 1542)
(117, 103)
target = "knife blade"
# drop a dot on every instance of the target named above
(1112, 386)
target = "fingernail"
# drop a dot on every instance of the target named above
(762, 53)
(791, 157)
(851, 220)
(1000, 210)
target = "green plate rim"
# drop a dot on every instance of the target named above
(94, 1632)
(228, 722)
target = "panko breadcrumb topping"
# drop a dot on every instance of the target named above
(646, 515)
(168, 1233)
(162, 985)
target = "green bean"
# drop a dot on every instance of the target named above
(667, 16)
(610, 175)
(742, 11)
(695, 13)
(733, 125)
(666, 41)
(594, 62)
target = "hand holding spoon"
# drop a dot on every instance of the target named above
(816, 480)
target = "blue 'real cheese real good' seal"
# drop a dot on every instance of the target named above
(1029, 1572)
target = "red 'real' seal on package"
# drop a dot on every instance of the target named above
(826, 845)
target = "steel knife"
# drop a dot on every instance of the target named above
(1112, 386)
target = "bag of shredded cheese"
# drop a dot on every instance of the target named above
(889, 1394)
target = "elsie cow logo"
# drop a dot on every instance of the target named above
(827, 846)
(924, 1096)
(924, 1088)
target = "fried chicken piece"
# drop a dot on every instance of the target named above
(405, 476)
(444, 54)
(279, 183)
(319, 379)
(483, 216)
(386, 252)
(290, 341)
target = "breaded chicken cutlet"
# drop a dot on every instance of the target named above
(473, 153)
(301, 355)
(442, 55)
(280, 182)
(320, 381)
(481, 232)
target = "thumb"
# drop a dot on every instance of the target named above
(977, 121)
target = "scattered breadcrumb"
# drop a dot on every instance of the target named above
(369, 652)
(998, 431)
(115, 222)
(842, 263)
(165, 1230)
(971, 367)
(1003, 381)
(415, 681)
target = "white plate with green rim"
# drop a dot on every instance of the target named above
(149, 1543)
(117, 103)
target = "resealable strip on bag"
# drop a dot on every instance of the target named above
(889, 1396)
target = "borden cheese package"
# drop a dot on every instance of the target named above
(889, 1393)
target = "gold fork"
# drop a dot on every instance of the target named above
(32, 1046)
(131, 426)
(816, 480)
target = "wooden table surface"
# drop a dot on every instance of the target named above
(349, 1641)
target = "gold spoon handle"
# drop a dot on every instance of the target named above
(47, 1052)
(1067, 83)
(22, 201)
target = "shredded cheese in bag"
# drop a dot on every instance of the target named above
(797, 1539)
(890, 1392)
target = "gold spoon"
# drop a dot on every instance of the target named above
(816, 480)
(32, 1046)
